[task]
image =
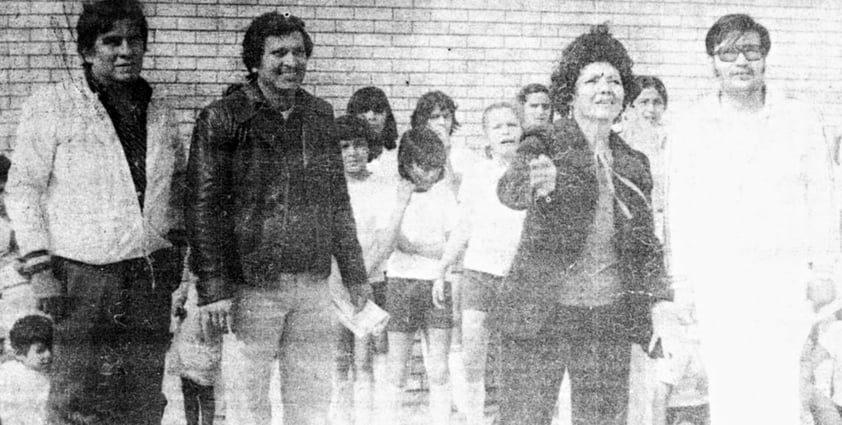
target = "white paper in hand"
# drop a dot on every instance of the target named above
(371, 320)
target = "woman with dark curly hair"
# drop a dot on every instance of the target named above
(372, 105)
(588, 278)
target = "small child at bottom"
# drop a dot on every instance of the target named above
(196, 357)
(681, 392)
(24, 385)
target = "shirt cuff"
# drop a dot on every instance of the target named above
(35, 262)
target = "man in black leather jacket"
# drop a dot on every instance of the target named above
(267, 209)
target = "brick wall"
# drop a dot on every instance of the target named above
(478, 51)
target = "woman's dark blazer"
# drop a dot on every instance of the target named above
(557, 225)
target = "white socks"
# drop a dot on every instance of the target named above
(440, 404)
(475, 403)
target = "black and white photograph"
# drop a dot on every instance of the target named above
(420, 212)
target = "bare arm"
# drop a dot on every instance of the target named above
(385, 238)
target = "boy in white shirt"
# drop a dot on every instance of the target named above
(488, 233)
(417, 299)
(24, 385)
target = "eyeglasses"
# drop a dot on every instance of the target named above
(730, 54)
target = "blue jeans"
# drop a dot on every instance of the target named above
(290, 320)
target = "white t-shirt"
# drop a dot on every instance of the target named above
(429, 218)
(371, 200)
(23, 395)
(385, 167)
(495, 228)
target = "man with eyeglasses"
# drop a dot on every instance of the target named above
(751, 221)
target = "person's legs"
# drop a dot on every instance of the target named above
(258, 321)
(207, 403)
(400, 347)
(147, 294)
(478, 297)
(371, 388)
(190, 392)
(475, 352)
(531, 374)
(599, 368)
(306, 352)
(83, 374)
(343, 376)
(438, 323)
(363, 383)
(406, 300)
(438, 374)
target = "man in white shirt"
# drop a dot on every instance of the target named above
(751, 219)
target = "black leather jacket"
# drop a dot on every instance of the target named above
(266, 195)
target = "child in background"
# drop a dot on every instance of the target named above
(822, 358)
(416, 298)
(361, 362)
(24, 386)
(681, 392)
(196, 356)
(488, 233)
(372, 106)
(534, 100)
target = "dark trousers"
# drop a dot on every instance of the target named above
(108, 352)
(199, 401)
(587, 342)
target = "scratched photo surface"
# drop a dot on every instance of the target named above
(741, 189)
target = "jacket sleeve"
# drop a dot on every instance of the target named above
(36, 140)
(345, 245)
(208, 191)
(513, 188)
(652, 266)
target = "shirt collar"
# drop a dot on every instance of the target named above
(138, 91)
(772, 99)
(256, 96)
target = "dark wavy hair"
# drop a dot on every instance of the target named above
(268, 25)
(29, 330)
(531, 89)
(643, 82)
(427, 103)
(596, 45)
(422, 147)
(739, 23)
(351, 127)
(99, 17)
(373, 99)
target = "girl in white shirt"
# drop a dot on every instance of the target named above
(415, 299)
(488, 234)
